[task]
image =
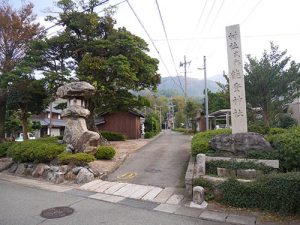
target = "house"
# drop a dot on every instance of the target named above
(128, 123)
(217, 120)
(50, 120)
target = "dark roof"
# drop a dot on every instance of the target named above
(134, 112)
(55, 122)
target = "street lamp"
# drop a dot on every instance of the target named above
(206, 95)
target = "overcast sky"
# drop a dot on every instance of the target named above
(197, 27)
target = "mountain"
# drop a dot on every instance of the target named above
(195, 88)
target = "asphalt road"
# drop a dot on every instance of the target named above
(20, 205)
(161, 163)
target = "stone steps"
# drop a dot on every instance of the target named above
(134, 191)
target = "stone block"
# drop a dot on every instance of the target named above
(84, 176)
(175, 199)
(200, 164)
(248, 174)
(214, 216)
(152, 194)
(198, 195)
(21, 169)
(163, 196)
(5, 163)
(167, 208)
(40, 169)
(222, 172)
(238, 219)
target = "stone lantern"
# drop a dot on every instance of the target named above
(77, 136)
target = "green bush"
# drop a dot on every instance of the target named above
(208, 186)
(113, 136)
(182, 130)
(200, 141)
(288, 146)
(4, 147)
(274, 192)
(77, 159)
(258, 154)
(152, 124)
(149, 135)
(37, 151)
(276, 130)
(285, 120)
(211, 166)
(105, 152)
(259, 128)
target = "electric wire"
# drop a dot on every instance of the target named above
(154, 45)
(251, 12)
(217, 14)
(169, 46)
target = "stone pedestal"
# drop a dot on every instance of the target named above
(200, 165)
(198, 198)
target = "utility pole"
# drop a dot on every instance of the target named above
(206, 95)
(185, 84)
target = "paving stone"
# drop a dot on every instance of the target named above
(115, 188)
(130, 191)
(215, 216)
(80, 193)
(138, 204)
(113, 199)
(104, 187)
(152, 194)
(99, 196)
(167, 208)
(141, 192)
(175, 199)
(90, 184)
(186, 211)
(98, 185)
(164, 195)
(238, 219)
(124, 189)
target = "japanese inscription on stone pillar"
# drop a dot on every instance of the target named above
(236, 80)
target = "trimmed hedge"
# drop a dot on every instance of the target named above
(257, 154)
(287, 145)
(105, 152)
(200, 141)
(4, 147)
(273, 192)
(42, 150)
(113, 136)
(77, 159)
(211, 166)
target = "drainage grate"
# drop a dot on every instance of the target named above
(57, 212)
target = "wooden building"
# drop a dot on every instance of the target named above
(127, 123)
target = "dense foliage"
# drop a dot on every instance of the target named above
(274, 192)
(113, 136)
(77, 159)
(105, 152)
(152, 125)
(4, 147)
(211, 166)
(42, 150)
(200, 141)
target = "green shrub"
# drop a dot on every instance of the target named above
(258, 154)
(259, 128)
(180, 129)
(285, 120)
(105, 152)
(113, 136)
(276, 130)
(211, 166)
(152, 123)
(274, 192)
(78, 159)
(4, 147)
(208, 186)
(37, 151)
(200, 141)
(149, 135)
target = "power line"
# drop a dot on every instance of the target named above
(209, 13)
(169, 46)
(217, 14)
(142, 25)
(252, 11)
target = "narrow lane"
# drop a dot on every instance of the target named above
(159, 163)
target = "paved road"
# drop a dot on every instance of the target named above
(160, 163)
(21, 205)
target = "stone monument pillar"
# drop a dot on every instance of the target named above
(77, 136)
(236, 80)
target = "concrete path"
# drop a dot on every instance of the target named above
(160, 163)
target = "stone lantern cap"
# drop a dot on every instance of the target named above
(75, 89)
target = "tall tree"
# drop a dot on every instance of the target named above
(17, 29)
(271, 82)
(113, 60)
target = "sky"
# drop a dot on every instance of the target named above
(196, 28)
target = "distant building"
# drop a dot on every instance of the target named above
(127, 123)
(54, 126)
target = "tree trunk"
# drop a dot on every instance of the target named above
(90, 120)
(266, 118)
(24, 123)
(2, 114)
